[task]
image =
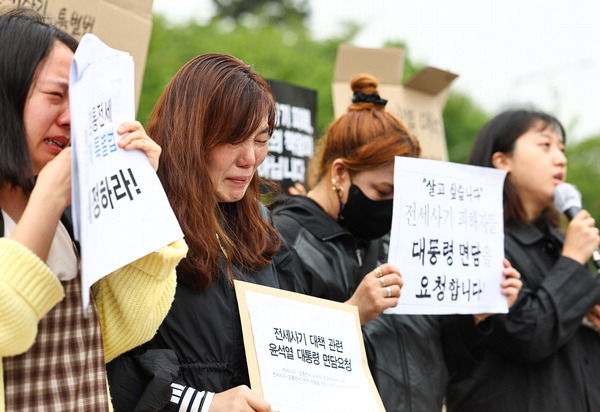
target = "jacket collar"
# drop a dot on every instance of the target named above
(310, 215)
(528, 234)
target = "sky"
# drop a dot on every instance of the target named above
(507, 53)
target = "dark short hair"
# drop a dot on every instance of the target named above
(26, 42)
(500, 135)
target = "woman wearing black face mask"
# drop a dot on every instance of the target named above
(336, 228)
(338, 232)
(364, 217)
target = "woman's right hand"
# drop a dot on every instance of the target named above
(53, 184)
(582, 238)
(239, 399)
(48, 200)
(379, 290)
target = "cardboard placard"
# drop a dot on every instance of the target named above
(305, 353)
(121, 24)
(419, 102)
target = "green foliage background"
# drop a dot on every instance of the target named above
(273, 38)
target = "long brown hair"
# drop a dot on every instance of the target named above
(212, 100)
(366, 137)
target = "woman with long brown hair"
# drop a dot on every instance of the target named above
(213, 122)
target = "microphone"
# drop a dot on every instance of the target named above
(567, 200)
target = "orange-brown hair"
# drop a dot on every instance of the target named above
(366, 137)
(213, 100)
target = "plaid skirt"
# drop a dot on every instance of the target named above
(64, 370)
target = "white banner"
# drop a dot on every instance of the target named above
(447, 237)
(120, 210)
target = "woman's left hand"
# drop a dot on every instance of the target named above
(593, 315)
(510, 288)
(136, 138)
(512, 284)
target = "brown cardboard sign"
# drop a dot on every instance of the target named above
(419, 102)
(122, 24)
(305, 353)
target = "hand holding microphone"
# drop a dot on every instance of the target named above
(567, 200)
(583, 238)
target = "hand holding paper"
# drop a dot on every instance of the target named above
(379, 290)
(136, 138)
(512, 284)
(238, 399)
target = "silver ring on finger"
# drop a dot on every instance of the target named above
(389, 291)
(382, 282)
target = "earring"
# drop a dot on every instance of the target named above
(336, 187)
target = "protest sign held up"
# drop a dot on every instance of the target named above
(120, 211)
(448, 237)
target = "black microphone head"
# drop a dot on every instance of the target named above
(567, 199)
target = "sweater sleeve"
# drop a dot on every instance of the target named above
(543, 320)
(133, 301)
(28, 290)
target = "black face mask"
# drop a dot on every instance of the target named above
(366, 218)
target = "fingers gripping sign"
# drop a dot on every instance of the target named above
(593, 315)
(510, 287)
(135, 137)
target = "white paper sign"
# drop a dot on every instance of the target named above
(120, 210)
(310, 356)
(447, 237)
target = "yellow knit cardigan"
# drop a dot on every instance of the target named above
(132, 301)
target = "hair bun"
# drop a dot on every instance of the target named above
(364, 83)
(365, 96)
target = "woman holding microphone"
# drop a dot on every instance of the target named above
(539, 357)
